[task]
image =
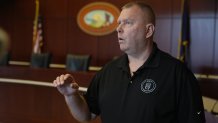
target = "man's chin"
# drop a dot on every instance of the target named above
(123, 49)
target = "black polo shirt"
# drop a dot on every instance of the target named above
(162, 90)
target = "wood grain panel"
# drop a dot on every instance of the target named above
(202, 8)
(56, 9)
(118, 3)
(7, 9)
(209, 87)
(198, 8)
(21, 43)
(24, 9)
(216, 4)
(162, 9)
(75, 6)
(55, 39)
(176, 8)
(78, 42)
(33, 104)
(22, 103)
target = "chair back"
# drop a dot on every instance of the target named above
(41, 60)
(77, 62)
(4, 59)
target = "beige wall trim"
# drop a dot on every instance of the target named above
(206, 76)
(203, 76)
(213, 76)
(31, 82)
(22, 63)
(57, 66)
(63, 66)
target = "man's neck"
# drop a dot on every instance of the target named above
(137, 60)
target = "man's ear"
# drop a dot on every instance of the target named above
(149, 30)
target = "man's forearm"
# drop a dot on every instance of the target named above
(78, 107)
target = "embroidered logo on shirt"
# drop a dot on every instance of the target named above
(148, 86)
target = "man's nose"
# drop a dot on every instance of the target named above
(119, 28)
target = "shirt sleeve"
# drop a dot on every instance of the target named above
(189, 98)
(91, 95)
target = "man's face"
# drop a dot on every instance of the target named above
(131, 30)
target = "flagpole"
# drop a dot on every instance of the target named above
(180, 37)
(35, 23)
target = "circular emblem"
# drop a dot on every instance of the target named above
(98, 18)
(148, 86)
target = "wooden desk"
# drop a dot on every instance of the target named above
(26, 103)
(209, 87)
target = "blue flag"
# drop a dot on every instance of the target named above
(183, 48)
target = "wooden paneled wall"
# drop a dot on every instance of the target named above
(25, 99)
(62, 34)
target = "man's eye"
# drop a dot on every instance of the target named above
(128, 22)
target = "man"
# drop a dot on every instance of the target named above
(145, 85)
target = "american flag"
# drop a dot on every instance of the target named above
(37, 31)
